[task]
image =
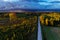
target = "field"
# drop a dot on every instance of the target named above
(51, 33)
(15, 26)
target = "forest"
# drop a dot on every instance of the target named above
(50, 19)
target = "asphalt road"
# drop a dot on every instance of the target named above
(39, 30)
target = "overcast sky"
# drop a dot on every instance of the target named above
(10, 0)
(29, 0)
(50, 0)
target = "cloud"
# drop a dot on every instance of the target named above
(50, 0)
(10, 0)
(44, 3)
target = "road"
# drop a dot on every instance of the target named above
(39, 31)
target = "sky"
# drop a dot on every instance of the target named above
(29, 0)
(10, 0)
(50, 0)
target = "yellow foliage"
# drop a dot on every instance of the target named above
(42, 19)
(14, 34)
(33, 29)
(7, 38)
(54, 16)
(12, 16)
(46, 21)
